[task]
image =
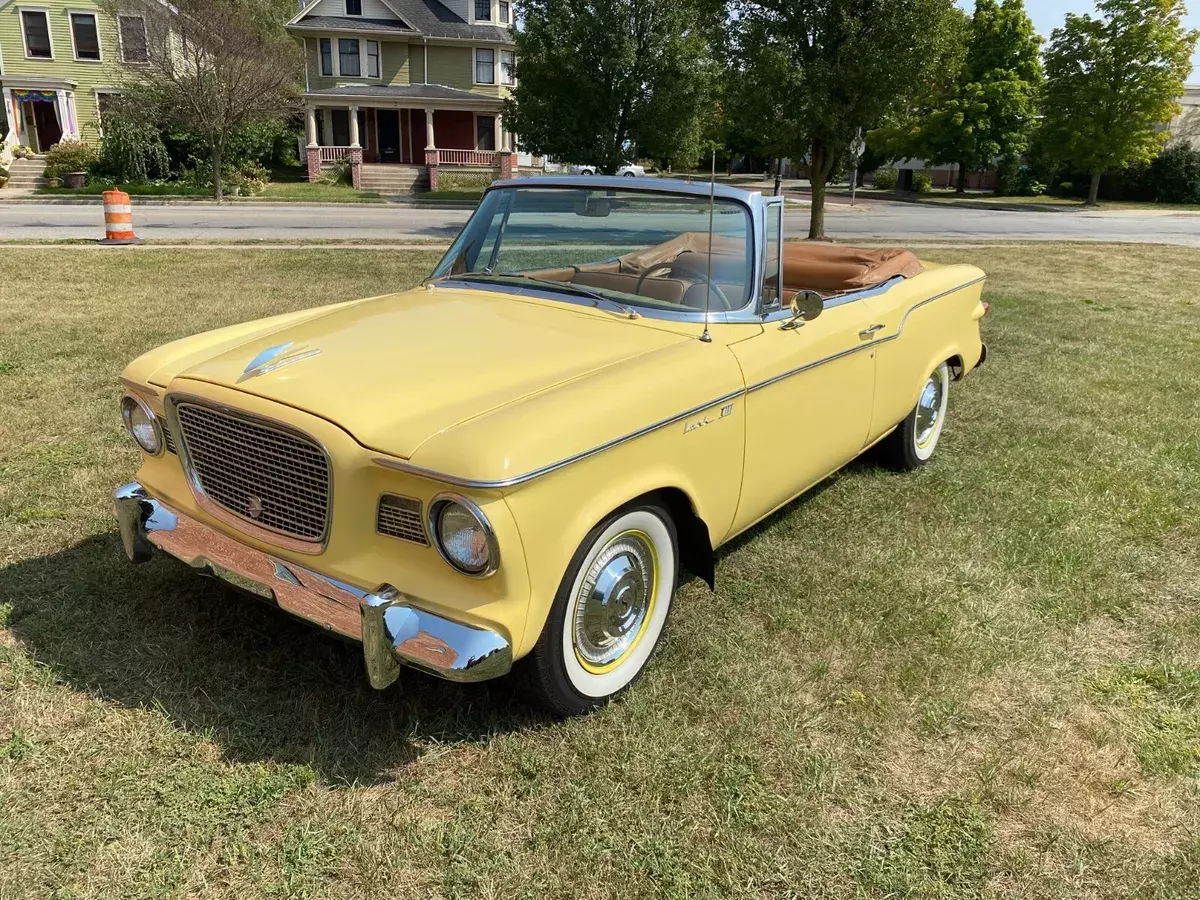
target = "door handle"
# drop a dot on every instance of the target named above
(867, 332)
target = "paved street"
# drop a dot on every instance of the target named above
(292, 222)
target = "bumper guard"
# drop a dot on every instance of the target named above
(393, 631)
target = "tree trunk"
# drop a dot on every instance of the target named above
(216, 164)
(820, 163)
(778, 174)
(962, 179)
(1094, 190)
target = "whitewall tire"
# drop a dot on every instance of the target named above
(609, 612)
(913, 442)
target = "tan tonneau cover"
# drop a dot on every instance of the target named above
(833, 268)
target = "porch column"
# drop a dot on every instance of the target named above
(313, 151)
(356, 154)
(498, 133)
(431, 153)
(13, 136)
(310, 118)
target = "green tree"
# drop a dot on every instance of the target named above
(984, 105)
(1112, 83)
(599, 78)
(214, 68)
(849, 64)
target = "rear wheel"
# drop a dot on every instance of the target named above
(912, 443)
(608, 614)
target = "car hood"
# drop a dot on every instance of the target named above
(397, 370)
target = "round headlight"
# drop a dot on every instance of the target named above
(464, 536)
(141, 424)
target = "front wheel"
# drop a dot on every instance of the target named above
(608, 614)
(912, 443)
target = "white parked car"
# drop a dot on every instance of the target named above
(629, 170)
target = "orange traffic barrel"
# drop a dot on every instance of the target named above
(118, 220)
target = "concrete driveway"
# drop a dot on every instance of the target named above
(873, 220)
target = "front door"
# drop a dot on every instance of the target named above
(389, 135)
(808, 407)
(49, 131)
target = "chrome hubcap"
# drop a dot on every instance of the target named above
(929, 409)
(615, 599)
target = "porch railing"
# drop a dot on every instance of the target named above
(333, 154)
(484, 158)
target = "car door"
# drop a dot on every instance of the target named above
(808, 404)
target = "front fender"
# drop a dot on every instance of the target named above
(555, 513)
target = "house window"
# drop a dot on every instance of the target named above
(372, 59)
(483, 10)
(505, 15)
(135, 45)
(508, 60)
(85, 35)
(326, 56)
(485, 132)
(37, 34)
(485, 65)
(348, 59)
(354, 7)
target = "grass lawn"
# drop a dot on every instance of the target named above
(299, 192)
(981, 680)
(950, 196)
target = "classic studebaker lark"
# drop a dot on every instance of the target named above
(602, 381)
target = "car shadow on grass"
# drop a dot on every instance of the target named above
(261, 684)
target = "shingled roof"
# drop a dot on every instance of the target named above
(425, 17)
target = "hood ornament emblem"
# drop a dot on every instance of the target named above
(254, 507)
(275, 358)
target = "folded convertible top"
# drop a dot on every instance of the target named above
(833, 268)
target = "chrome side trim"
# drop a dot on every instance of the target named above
(485, 485)
(433, 475)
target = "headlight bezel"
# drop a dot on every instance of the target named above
(129, 403)
(433, 520)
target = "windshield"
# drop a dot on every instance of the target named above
(638, 250)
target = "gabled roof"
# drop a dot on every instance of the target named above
(425, 17)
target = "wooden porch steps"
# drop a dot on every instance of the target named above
(27, 174)
(384, 178)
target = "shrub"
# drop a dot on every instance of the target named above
(922, 182)
(338, 172)
(1066, 188)
(1174, 176)
(246, 178)
(886, 179)
(132, 151)
(470, 181)
(70, 156)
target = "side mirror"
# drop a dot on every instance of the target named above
(805, 306)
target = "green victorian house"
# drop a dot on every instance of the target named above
(403, 89)
(60, 63)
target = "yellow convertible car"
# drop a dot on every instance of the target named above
(602, 382)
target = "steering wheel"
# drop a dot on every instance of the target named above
(669, 266)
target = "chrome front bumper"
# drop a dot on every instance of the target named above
(392, 629)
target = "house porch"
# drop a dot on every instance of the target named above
(385, 127)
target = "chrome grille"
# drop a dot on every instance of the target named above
(400, 517)
(268, 476)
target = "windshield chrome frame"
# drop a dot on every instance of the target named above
(754, 202)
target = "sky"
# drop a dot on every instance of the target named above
(1049, 14)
